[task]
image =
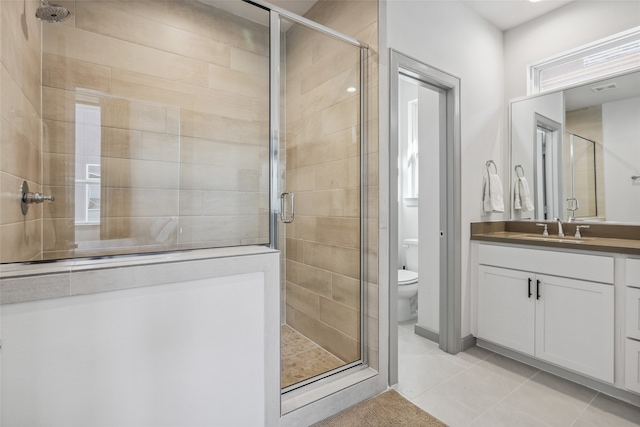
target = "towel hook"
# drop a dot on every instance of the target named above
(521, 168)
(488, 165)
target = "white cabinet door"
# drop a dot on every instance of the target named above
(506, 310)
(633, 313)
(632, 366)
(574, 325)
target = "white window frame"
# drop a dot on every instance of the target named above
(585, 51)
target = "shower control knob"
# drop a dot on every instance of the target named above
(37, 198)
(29, 198)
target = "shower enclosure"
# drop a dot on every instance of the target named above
(182, 125)
(581, 176)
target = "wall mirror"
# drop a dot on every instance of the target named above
(575, 153)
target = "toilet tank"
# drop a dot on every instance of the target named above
(411, 253)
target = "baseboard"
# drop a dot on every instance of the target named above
(468, 342)
(426, 333)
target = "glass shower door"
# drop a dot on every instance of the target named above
(320, 178)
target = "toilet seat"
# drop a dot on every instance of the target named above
(407, 277)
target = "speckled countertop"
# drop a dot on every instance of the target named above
(599, 237)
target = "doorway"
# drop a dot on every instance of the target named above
(424, 203)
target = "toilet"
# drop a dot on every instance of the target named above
(408, 282)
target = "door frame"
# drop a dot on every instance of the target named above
(450, 336)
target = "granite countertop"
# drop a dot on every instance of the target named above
(614, 238)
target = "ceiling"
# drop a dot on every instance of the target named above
(506, 14)
(626, 86)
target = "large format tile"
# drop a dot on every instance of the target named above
(607, 411)
(486, 383)
(421, 373)
(503, 415)
(562, 400)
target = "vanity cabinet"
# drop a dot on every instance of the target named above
(632, 342)
(563, 318)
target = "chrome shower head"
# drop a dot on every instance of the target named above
(52, 13)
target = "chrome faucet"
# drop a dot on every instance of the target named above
(560, 230)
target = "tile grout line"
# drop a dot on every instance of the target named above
(584, 409)
(509, 394)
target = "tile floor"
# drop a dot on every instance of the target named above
(480, 388)
(302, 359)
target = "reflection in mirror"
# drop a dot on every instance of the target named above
(589, 173)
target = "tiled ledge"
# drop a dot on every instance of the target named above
(599, 237)
(30, 282)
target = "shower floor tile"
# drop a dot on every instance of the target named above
(302, 358)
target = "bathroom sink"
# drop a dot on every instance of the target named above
(555, 239)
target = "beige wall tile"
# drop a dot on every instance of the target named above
(294, 250)
(303, 300)
(132, 202)
(90, 47)
(21, 241)
(112, 20)
(10, 200)
(341, 116)
(218, 228)
(209, 126)
(248, 62)
(58, 169)
(18, 156)
(125, 173)
(212, 152)
(340, 317)
(310, 278)
(321, 203)
(332, 175)
(127, 84)
(230, 203)
(338, 343)
(159, 146)
(21, 47)
(254, 85)
(17, 110)
(66, 73)
(345, 290)
(63, 206)
(122, 143)
(332, 258)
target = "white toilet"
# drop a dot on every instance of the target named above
(408, 282)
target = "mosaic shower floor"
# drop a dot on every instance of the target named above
(302, 358)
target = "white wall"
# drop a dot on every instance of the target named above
(568, 27)
(449, 36)
(620, 136)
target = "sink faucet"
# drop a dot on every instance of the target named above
(560, 231)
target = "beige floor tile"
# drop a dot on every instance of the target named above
(412, 344)
(486, 383)
(506, 416)
(607, 411)
(562, 400)
(421, 373)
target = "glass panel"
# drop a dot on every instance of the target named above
(320, 164)
(582, 201)
(155, 128)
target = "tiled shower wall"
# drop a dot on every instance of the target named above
(179, 95)
(322, 168)
(20, 151)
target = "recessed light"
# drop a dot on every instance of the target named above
(351, 89)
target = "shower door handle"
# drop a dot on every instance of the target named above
(287, 219)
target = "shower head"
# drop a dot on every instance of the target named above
(51, 12)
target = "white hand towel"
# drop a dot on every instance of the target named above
(525, 195)
(492, 199)
(517, 200)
